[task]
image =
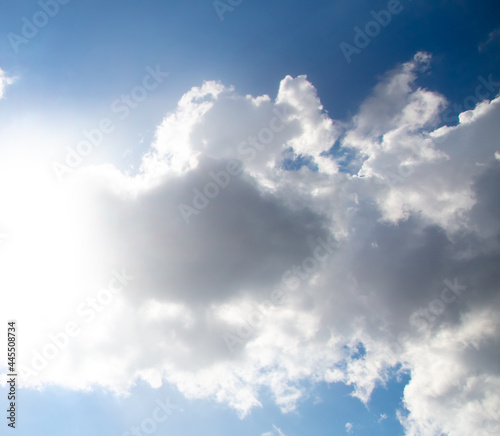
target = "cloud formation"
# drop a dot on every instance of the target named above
(4, 82)
(493, 38)
(411, 285)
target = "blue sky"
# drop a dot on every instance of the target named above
(88, 54)
(391, 155)
(325, 412)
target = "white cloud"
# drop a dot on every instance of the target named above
(348, 427)
(493, 36)
(4, 82)
(278, 430)
(397, 240)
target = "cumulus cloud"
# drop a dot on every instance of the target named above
(271, 245)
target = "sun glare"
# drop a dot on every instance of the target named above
(43, 239)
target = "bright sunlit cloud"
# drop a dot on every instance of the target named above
(222, 322)
(256, 218)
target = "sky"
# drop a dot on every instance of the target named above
(263, 218)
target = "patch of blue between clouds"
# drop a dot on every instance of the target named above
(324, 410)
